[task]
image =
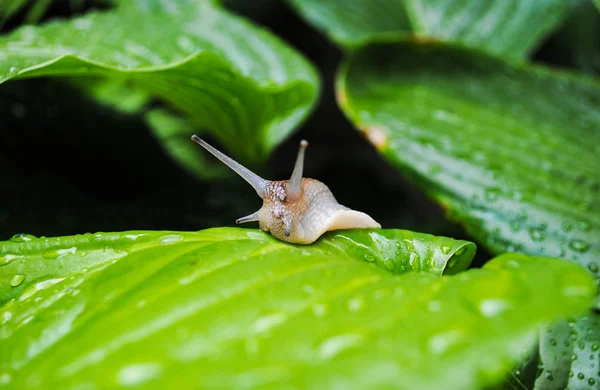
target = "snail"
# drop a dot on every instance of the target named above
(298, 210)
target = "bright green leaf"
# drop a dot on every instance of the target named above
(511, 151)
(509, 27)
(236, 308)
(351, 22)
(231, 78)
(597, 2)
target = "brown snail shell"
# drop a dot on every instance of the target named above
(298, 210)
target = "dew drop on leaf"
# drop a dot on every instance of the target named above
(537, 234)
(593, 267)
(492, 194)
(170, 239)
(584, 226)
(446, 249)
(369, 257)
(592, 381)
(579, 246)
(461, 251)
(516, 226)
(5, 378)
(17, 280)
(389, 264)
(22, 237)
(581, 375)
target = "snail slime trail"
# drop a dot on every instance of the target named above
(298, 210)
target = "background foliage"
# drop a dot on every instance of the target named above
(463, 100)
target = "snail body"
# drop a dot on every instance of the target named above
(298, 210)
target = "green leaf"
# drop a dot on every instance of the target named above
(229, 77)
(597, 2)
(510, 151)
(508, 27)
(351, 22)
(236, 308)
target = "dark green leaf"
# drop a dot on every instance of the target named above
(236, 308)
(234, 79)
(509, 27)
(511, 152)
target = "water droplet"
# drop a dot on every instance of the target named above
(566, 226)
(5, 378)
(574, 357)
(13, 71)
(553, 342)
(579, 245)
(22, 237)
(492, 307)
(369, 257)
(584, 226)
(549, 376)
(319, 309)
(440, 343)
(6, 316)
(592, 381)
(595, 347)
(452, 262)
(492, 194)
(570, 374)
(537, 234)
(266, 322)
(136, 374)
(355, 304)
(170, 239)
(581, 345)
(592, 356)
(461, 251)
(446, 249)
(333, 346)
(580, 375)
(593, 266)
(515, 225)
(17, 280)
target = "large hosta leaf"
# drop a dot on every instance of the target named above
(512, 152)
(509, 27)
(231, 78)
(233, 308)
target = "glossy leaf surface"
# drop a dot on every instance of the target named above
(509, 27)
(232, 78)
(214, 308)
(498, 145)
